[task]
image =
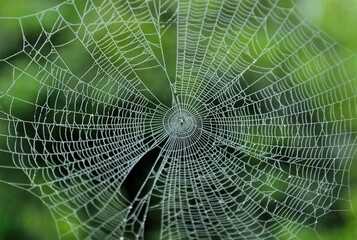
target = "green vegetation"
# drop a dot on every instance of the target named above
(23, 216)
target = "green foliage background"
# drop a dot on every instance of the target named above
(23, 216)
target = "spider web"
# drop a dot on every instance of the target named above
(178, 119)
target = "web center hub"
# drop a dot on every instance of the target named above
(181, 122)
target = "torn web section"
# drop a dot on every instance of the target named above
(266, 154)
(82, 132)
(203, 194)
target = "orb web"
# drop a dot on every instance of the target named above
(178, 119)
